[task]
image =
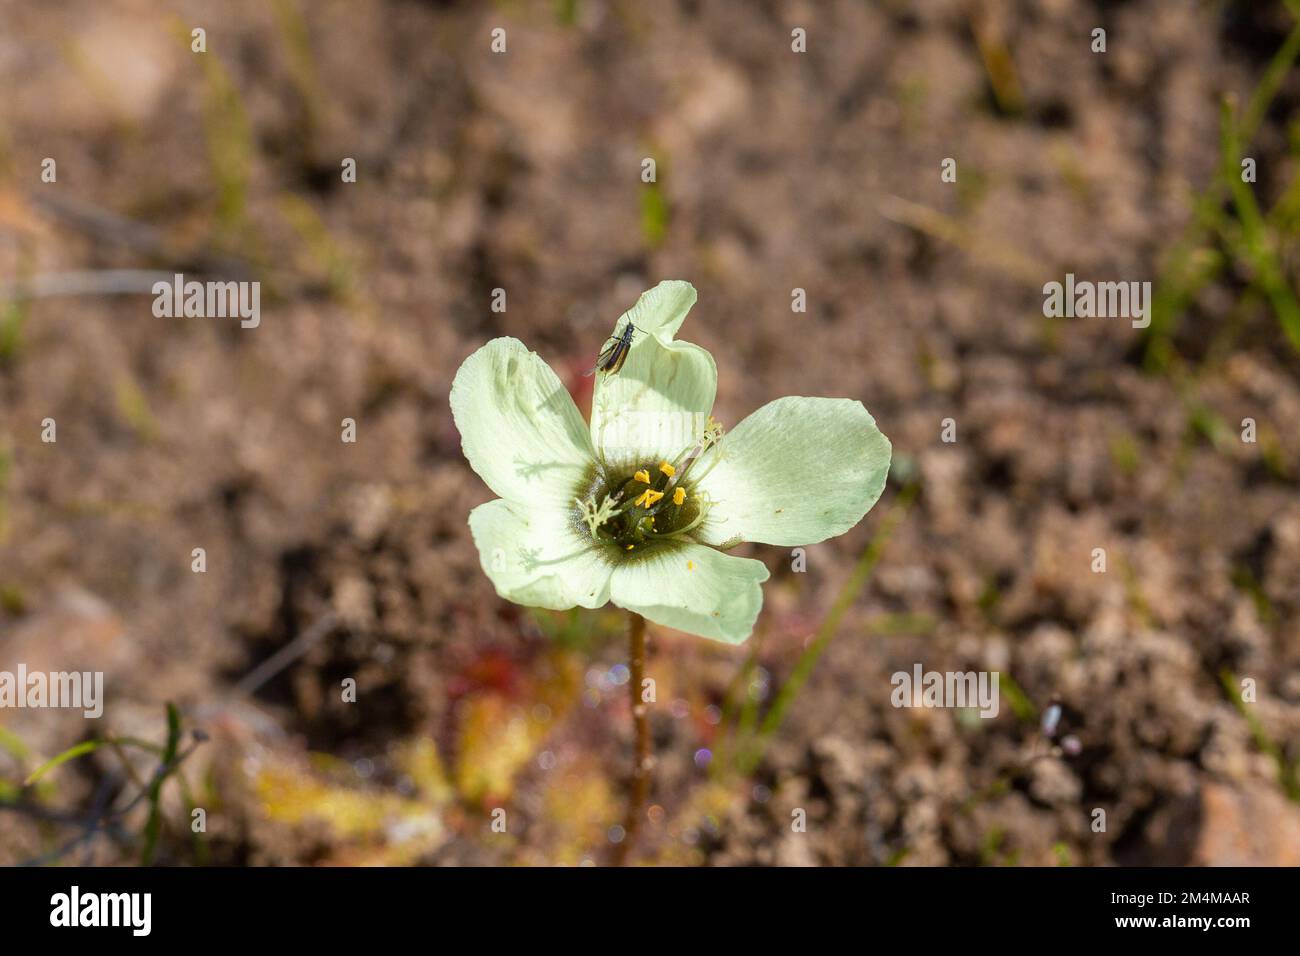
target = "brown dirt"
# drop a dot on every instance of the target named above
(522, 171)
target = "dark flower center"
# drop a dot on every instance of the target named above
(639, 509)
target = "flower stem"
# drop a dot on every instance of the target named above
(640, 785)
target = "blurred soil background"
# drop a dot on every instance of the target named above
(776, 171)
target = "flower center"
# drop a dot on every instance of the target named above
(649, 506)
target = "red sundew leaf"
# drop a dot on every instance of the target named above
(492, 669)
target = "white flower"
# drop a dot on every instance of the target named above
(635, 508)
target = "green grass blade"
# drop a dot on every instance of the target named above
(11, 742)
(153, 825)
(1257, 245)
(803, 668)
(72, 753)
(1286, 771)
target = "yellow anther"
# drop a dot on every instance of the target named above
(690, 565)
(667, 469)
(648, 498)
(629, 547)
(642, 476)
(679, 495)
